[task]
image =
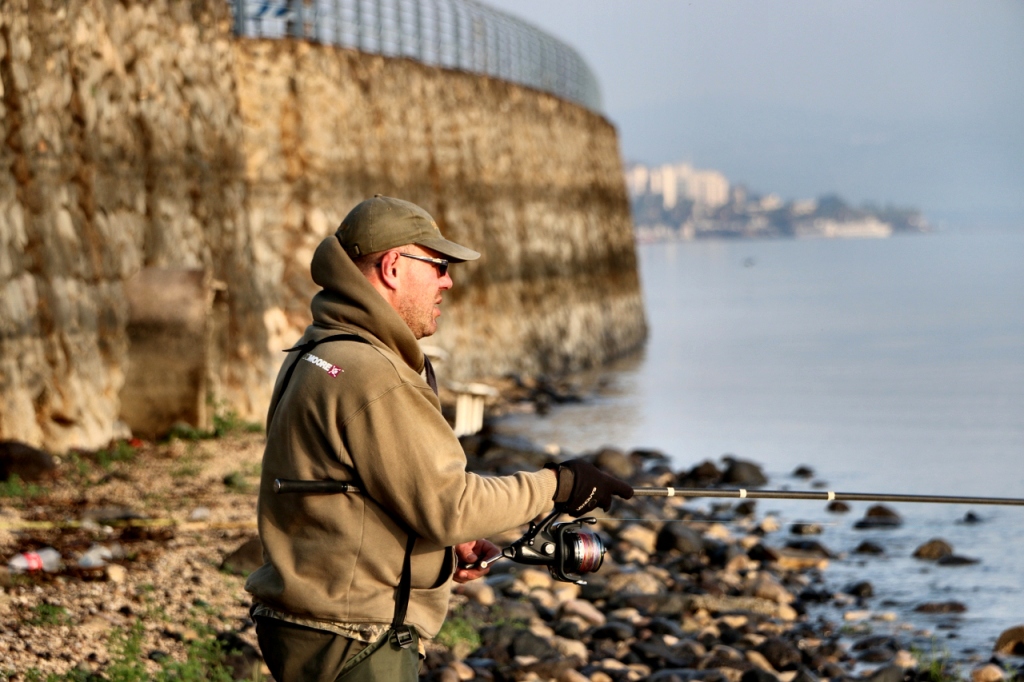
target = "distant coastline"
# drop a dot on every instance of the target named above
(676, 202)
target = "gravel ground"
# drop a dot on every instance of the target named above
(192, 503)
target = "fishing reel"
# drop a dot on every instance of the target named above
(569, 550)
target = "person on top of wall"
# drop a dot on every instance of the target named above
(351, 582)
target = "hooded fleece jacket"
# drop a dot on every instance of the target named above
(361, 412)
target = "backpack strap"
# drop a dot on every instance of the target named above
(310, 345)
(401, 634)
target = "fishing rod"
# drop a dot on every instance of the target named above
(570, 551)
(825, 496)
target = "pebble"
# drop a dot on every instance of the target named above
(988, 673)
(479, 592)
(585, 610)
(116, 573)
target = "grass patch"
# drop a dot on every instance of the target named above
(15, 487)
(935, 665)
(235, 482)
(457, 629)
(229, 422)
(204, 661)
(122, 451)
(48, 615)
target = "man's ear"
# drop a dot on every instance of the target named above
(389, 269)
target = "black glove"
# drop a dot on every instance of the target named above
(582, 487)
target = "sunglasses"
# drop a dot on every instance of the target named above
(441, 263)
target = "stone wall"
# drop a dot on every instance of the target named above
(143, 136)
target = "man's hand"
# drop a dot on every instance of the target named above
(470, 553)
(583, 487)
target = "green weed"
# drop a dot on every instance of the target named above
(120, 452)
(15, 487)
(235, 482)
(458, 629)
(935, 665)
(48, 615)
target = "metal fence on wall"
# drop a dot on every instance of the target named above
(456, 34)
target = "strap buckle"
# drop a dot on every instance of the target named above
(402, 637)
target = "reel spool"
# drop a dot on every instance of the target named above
(569, 550)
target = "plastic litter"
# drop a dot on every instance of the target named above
(46, 559)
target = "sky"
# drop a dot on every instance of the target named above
(907, 102)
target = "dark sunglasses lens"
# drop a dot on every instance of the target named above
(442, 268)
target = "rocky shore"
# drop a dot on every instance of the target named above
(154, 541)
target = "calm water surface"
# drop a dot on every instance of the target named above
(886, 365)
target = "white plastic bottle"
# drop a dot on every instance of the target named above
(47, 559)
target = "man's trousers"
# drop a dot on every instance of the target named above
(295, 653)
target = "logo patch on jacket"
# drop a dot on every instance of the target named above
(333, 370)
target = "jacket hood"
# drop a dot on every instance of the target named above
(348, 299)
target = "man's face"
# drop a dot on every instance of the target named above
(419, 301)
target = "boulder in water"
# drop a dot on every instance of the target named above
(941, 607)
(879, 516)
(742, 472)
(934, 549)
(1011, 642)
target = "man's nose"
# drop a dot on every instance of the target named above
(446, 282)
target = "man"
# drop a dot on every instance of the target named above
(352, 581)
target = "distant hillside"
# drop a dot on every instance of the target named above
(677, 201)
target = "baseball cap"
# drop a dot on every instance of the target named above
(382, 223)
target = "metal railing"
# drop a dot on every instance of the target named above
(455, 34)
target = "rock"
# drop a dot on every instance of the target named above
(635, 582)
(572, 675)
(1011, 642)
(245, 559)
(24, 461)
(904, 659)
(803, 471)
(890, 673)
(799, 560)
(837, 507)
(781, 654)
(956, 560)
(867, 547)
(585, 610)
(971, 517)
(877, 654)
(767, 586)
(615, 462)
(116, 573)
(879, 516)
(479, 592)
(534, 577)
(746, 508)
(862, 589)
(804, 675)
(758, 674)
(812, 547)
(936, 548)
(759, 661)
(805, 529)
(241, 657)
(741, 472)
(571, 647)
(701, 476)
(672, 604)
(199, 514)
(679, 537)
(941, 607)
(988, 673)
(640, 537)
(614, 630)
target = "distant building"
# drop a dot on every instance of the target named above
(705, 188)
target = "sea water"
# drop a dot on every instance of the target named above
(890, 366)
